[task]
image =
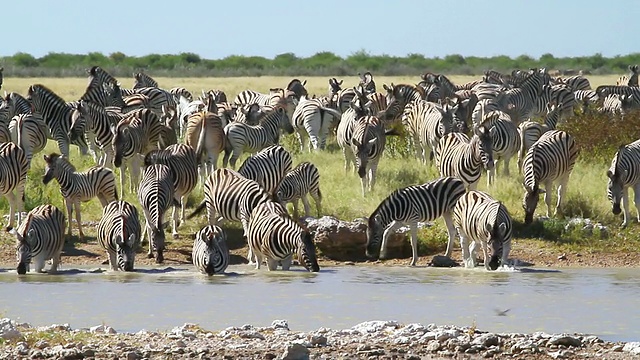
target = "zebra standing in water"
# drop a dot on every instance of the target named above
(210, 254)
(13, 167)
(273, 235)
(302, 180)
(411, 205)
(181, 159)
(57, 115)
(480, 218)
(119, 234)
(242, 137)
(77, 187)
(156, 196)
(550, 159)
(314, 118)
(39, 238)
(623, 174)
(268, 167)
(459, 156)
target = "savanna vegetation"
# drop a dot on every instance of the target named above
(597, 135)
(320, 64)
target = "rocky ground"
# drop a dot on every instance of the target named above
(369, 340)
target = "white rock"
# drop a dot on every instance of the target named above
(632, 347)
(280, 324)
(8, 329)
(296, 352)
(102, 329)
(368, 327)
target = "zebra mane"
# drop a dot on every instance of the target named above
(59, 102)
(61, 161)
(617, 159)
(25, 224)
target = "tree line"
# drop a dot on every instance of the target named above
(320, 64)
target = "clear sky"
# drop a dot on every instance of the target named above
(216, 29)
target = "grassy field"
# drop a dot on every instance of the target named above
(342, 197)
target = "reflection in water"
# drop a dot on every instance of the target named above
(596, 301)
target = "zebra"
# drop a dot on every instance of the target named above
(97, 92)
(1, 77)
(156, 195)
(205, 133)
(277, 97)
(410, 205)
(623, 174)
(218, 95)
(230, 196)
(576, 82)
(619, 104)
(179, 91)
(604, 90)
(302, 180)
(314, 118)
(143, 80)
(102, 76)
(119, 234)
(210, 254)
(181, 160)
(95, 122)
(506, 141)
(631, 79)
(13, 167)
(550, 159)
(79, 187)
(242, 137)
(480, 218)
(524, 98)
(5, 134)
(39, 238)
(273, 235)
(403, 94)
(136, 134)
(57, 115)
(530, 131)
(340, 98)
(249, 114)
(367, 144)
(359, 107)
(297, 88)
(30, 132)
(16, 104)
(585, 98)
(267, 167)
(457, 155)
(367, 84)
(427, 123)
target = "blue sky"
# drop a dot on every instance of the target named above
(216, 29)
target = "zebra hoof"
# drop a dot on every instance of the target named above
(105, 262)
(149, 256)
(8, 228)
(176, 236)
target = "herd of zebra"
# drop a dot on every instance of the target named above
(168, 141)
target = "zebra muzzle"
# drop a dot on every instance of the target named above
(22, 268)
(616, 209)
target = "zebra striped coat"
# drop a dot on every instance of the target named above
(77, 187)
(156, 196)
(119, 234)
(427, 123)
(410, 205)
(143, 80)
(367, 143)
(505, 138)
(205, 134)
(464, 158)
(268, 167)
(39, 238)
(95, 122)
(302, 180)
(13, 167)
(550, 159)
(530, 131)
(30, 132)
(273, 235)
(480, 218)
(210, 254)
(181, 160)
(623, 174)
(314, 118)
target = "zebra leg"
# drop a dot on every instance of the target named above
(296, 214)
(76, 205)
(301, 140)
(11, 197)
(385, 237)
(318, 200)
(464, 244)
(451, 230)
(305, 203)
(55, 262)
(123, 167)
(373, 171)
(625, 205)
(473, 253)
(113, 260)
(175, 220)
(38, 264)
(562, 189)
(286, 262)
(485, 254)
(134, 175)
(69, 205)
(636, 199)
(257, 255)
(414, 243)
(272, 264)
(505, 171)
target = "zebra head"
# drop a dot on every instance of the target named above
(79, 121)
(374, 236)
(334, 86)
(362, 153)
(121, 138)
(484, 146)
(283, 121)
(307, 252)
(125, 252)
(615, 184)
(55, 164)
(24, 245)
(497, 238)
(530, 201)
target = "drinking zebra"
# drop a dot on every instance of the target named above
(181, 160)
(410, 205)
(119, 234)
(457, 155)
(268, 167)
(242, 137)
(40, 238)
(480, 218)
(273, 235)
(210, 254)
(155, 194)
(623, 174)
(13, 167)
(302, 180)
(77, 187)
(550, 159)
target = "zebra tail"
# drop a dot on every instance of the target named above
(197, 210)
(522, 151)
(201, 138)
(331, 111)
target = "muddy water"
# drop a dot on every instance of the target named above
(602, 302)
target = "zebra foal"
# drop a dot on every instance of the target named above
(302, 180)
(39, 238)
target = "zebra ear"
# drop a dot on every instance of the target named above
(502, 228)
(372, 141)
(131, 241)
(610, 174)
